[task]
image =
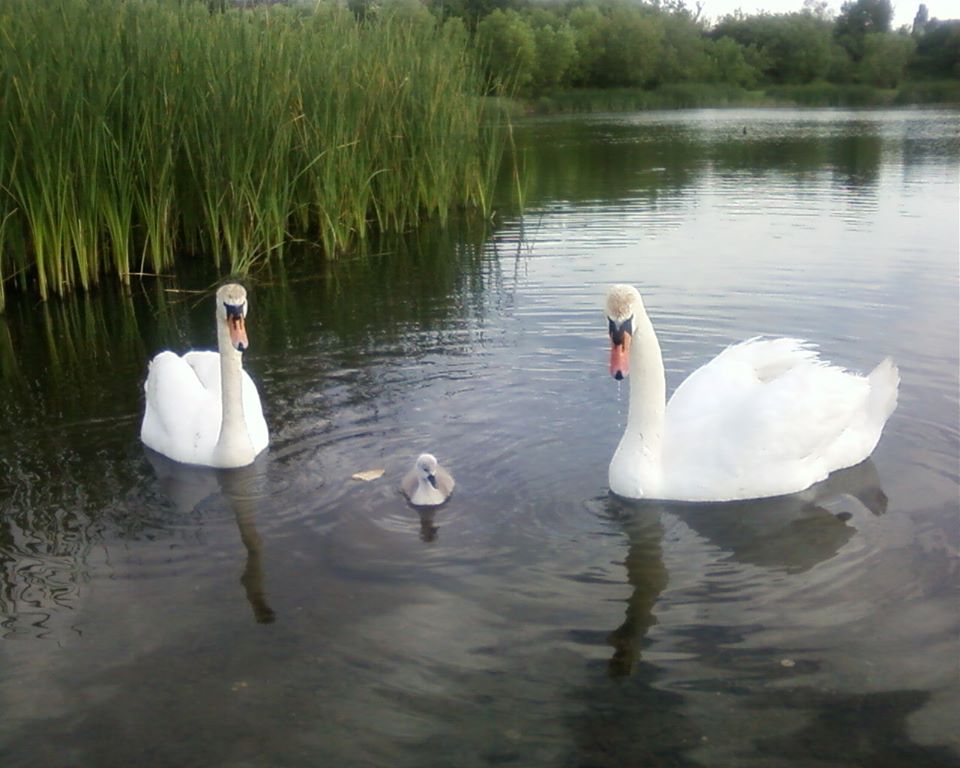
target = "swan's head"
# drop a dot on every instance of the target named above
(623, 304)
(426, 467)
(232, 313)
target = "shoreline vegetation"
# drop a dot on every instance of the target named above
(137, 133)
(142, 133)
(944, 93)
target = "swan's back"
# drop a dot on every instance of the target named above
(767, 417)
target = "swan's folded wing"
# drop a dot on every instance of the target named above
(802, 414)
(736, 372)
(206, 367)
(763, 418)
(409, 483)
(178, 409)
(445, 481)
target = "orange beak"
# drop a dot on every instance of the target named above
(238, 332)
(620, 358)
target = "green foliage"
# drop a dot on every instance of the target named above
(790, 48)
(938, 50)
(929, 92)
(589, 27)
(655, 43)
(509, 46)
(729, 63)
(556, 49)
(686, 54)
(134, 131)
(885, 58)
(859, 18)
(634, 45)
(675, 96)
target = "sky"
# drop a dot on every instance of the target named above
(903, 10)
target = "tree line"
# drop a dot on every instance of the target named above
(540, 47)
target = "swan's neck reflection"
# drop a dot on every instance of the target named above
(647, 576)
(188, 487)
(252, 577)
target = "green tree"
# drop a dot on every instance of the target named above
(510, 47)
(684, 55)
(634, 46)
(589, 32)
(556, 56)
(859, 18)
(938, 50)
(885, 59)
(793, 47)
(730, 64)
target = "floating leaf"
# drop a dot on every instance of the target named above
(368, 474)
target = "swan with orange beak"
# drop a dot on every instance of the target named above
(203, 408)
(765, 417)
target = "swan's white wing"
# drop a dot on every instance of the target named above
(765, 417)
(409, 483)
(206, 367)
(445, 482)
(182, 415)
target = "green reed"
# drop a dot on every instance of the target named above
(136, 132)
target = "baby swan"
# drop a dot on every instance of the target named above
(427, 484)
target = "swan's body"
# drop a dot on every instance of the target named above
(427, 484)
(203, 408)
(765, 417)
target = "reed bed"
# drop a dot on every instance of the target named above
(137, 131)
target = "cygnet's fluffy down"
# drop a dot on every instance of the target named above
(427, 484)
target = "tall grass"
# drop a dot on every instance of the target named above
(135, 131)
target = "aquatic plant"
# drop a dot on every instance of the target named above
(135, 133)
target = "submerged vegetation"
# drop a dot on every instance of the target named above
(137, 131)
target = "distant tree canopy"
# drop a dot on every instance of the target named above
(604, 43)
(938, 50)
(539, 46)
(860, 20)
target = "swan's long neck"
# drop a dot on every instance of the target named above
(233, 446)
(648, 390)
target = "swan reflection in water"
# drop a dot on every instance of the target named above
(791, 534)
(187, 487)
(428, 526)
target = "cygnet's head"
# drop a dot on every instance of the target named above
(232, 313)
(622, 304)
(426, 467)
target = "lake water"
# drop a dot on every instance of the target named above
(287, 615)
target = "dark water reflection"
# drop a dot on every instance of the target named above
(152, 614)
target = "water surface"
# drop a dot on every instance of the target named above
(287, 615)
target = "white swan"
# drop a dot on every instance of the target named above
(765, 417)
(203, 408)
(427, 484)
